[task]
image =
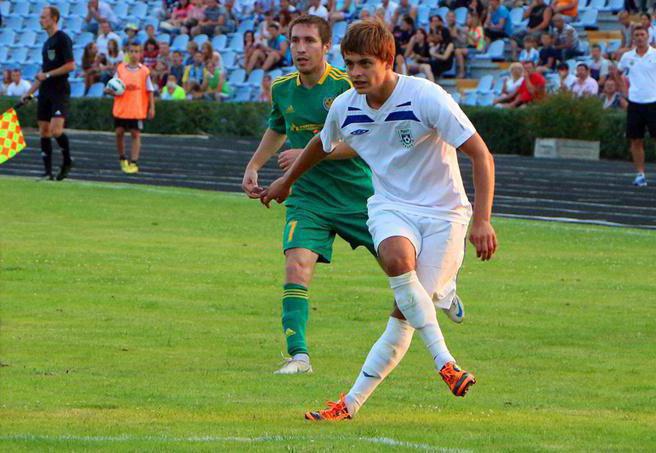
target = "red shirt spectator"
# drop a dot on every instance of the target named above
(533, 86)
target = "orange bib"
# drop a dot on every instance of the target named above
(133, 103)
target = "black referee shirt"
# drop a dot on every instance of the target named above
(56, 52)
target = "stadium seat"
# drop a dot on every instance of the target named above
(615, 6)
(613, 45)
(18, 55)
(4, 8)
(517, 19)
(7, 37)
(20, 9)
(469, 99)
(432, 4)
(339, 30)
(423, 15)
(228, 58)
(588, 20)
(77, 89)
(32, 23)
(494, 51)
(64, 8)
(456, 97)
(95, 90)
(164, 37)
(142, 36)
(255, 79)
(27, 39)
(201, 39)
(78, 10)
(73, 24)
(34, 56)
(245, 26)
(4, 51)
(14, 23)
(485, 100)
(219, 42)
(452, 72)
(597, 4)
(274, 74)
(84, 39)
(237, 77)
(485, 85)
(336, 60)
(237, 42)
(77, 54)
(442, 12)
(29, 71)
(139, 10)
(461, 15)
(120, 10)
(180, 43)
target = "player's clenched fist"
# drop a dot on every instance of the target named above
(249, 184)
(483, 237)
(279, 190)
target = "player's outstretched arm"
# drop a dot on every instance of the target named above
(341, 152)
(482, 234)
(280, 188)
(269, 145)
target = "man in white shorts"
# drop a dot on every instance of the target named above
(407, 130)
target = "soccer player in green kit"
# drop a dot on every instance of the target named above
(331, 198)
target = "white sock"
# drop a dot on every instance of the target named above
(383, 357)
(302, 357)
(417, 307)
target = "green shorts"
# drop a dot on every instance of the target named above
(308, 230)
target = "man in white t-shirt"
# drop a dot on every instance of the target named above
(390, 8)
(317, 9)
(639, 66)
(104, 36)
(18, 86)
(584, 84)
(407, 130)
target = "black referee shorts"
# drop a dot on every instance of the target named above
(52, 105)
(640, 117)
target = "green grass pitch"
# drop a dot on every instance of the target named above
(139, 318)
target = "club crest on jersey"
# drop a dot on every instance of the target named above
(51, 54)
(406, 138)
(327, 102)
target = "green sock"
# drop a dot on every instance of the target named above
(294, 317)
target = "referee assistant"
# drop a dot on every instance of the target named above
(639, 65)
(54, 92)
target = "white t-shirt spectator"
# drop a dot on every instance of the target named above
(641, 72)
(513, 86)
(601, 66)
(320, 11)
(103, 40)
(389, 11)
(569, 81)
(588, 87)
(106, 12)
(18, 89)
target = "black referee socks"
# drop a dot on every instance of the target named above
(46, 153)
(62, 141)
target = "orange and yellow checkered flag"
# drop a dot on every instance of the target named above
(12, 141)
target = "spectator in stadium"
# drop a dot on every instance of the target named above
(566, 79)
(389, 8)
(626, 27)
(511, 84)
(173, 91)
(177, 67)
(114, 54)
(549, 55)
(584, 84)
(639, 65)
(566, 38)
(442, 53)
(216, 20)
(342, 14)
(475, 41)
(405, 9)
(6, 80)
(645, 21)
(207, 51)
(568, 9)
(611, 97)
(178, 17)
(598, 65)
(131, 31)
(18, 86)
(249, 47)
(529, 52)
(90, 71)
(436, 27)
(104, 35)
(285, 15)
(265, 89)
(150, 53)
(166, 11)
(532, 88)
(97, 12)
(159, 75)
(497, 23)
(196, 92)
(539, 18)
(403, 33)
(215, 87)
(150, 32)
(317, 9)
(164, 52)
(194, 73)
(192, 48)
(479, 8)
(417, 55)
(458, 33)
(274, 53)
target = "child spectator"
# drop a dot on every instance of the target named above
(177, 65)
(150, 53)
(173, 91)
(192, 49)
(131, 31)
(196, 92)
(566, 79)
(529, 52)
(549, 55)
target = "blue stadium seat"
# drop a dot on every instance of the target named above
(5, 7)
(245, 26)
(242, 94)
(19, 9)
(139, 10)
(442, 12)
(255, 78)
(77, 54)
(461, 15)
(27, 39)
(64, 8)
(615, 6)
(164, 37)
(451, 73)
(228, 58)
(423, 15)
(32, 23)
(432, 4)
(29, 71)
(494, 51)
(37, 7)
(73, 24)
(18, 55)
(274, 74)
(237, 77)
(219, 42)
(121, 10)
(84, 39)
(485, 84)
(142, 36)
(201, 39)
(78, 10)
(597, 4)
(13, 23)
(180, 43)
(517, 19)
(485, 100)
(34, 56)
(96, 90)
(613, 45)
(339, 30)
(4, 51)
(237, 42)
(77, 89)
(470, 99)
(7, 37)
(588, 20)
(456, 97)
(498, 84)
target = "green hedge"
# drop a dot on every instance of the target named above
(505, 131)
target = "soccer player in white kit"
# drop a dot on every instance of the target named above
(407, 130)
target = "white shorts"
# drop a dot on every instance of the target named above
(439, 246)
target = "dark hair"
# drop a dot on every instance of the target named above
(562, 66)
(323, 27)
(409, 20)
(595, 46)
(587, 68)
(54, 12)
(369, 37)
(640, 28)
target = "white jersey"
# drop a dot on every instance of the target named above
(410, 144)
(641, 72)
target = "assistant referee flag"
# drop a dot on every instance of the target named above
(12, 141)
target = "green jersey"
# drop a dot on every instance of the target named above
(333, 185)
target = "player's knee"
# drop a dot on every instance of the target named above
(298, 272)
(398, 265)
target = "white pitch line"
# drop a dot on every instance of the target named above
(213, 439)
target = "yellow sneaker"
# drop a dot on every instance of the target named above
(124, 165)
(132, 168)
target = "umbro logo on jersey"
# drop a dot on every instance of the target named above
(359, 131)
